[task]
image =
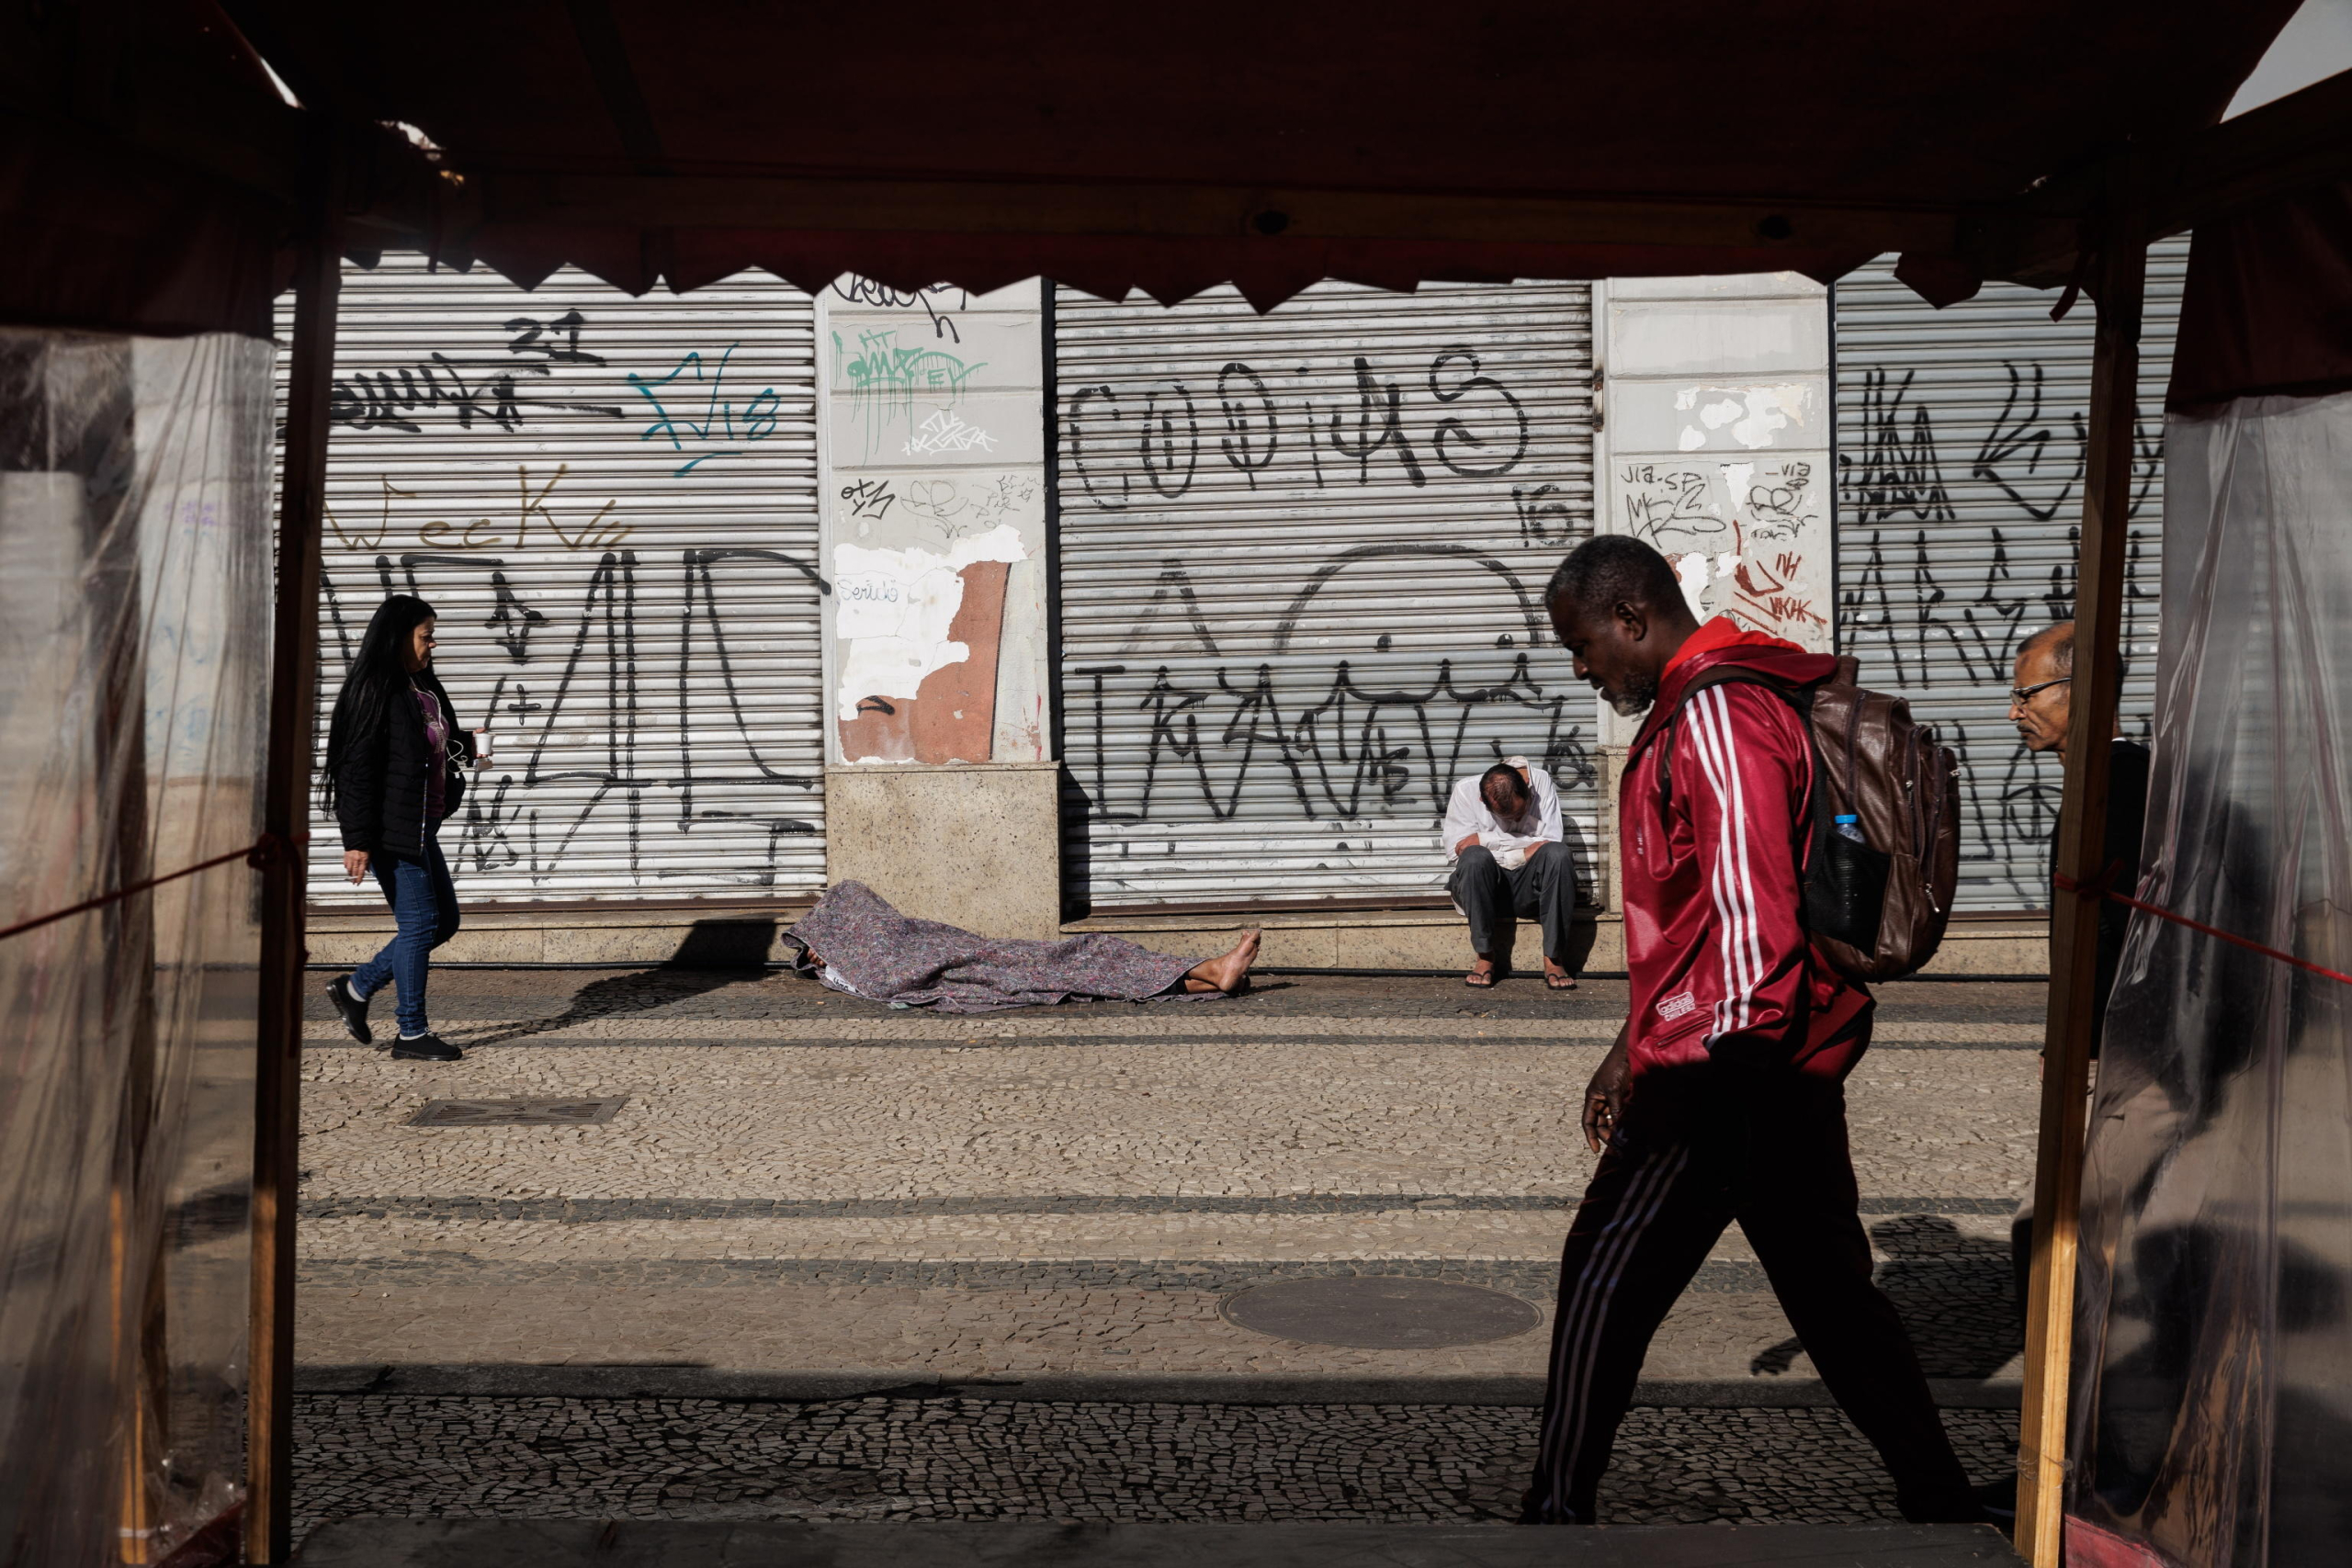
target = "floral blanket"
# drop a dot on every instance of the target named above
(887, 956)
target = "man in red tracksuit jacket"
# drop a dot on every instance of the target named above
(1723, 1097)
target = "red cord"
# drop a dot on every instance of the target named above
(259, 855)
(2101, 890)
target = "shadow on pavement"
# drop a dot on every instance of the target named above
(1954, 1293)
(713, 955)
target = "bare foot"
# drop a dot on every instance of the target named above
(1482, 974)
(1227, 971)
(1557, 978)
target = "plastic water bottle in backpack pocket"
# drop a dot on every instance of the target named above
(1846, 895)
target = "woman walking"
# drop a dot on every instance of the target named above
(394, 773)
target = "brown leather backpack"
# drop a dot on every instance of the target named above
(1877, 909)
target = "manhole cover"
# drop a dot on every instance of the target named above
(1374, 1314)
(515, 1113)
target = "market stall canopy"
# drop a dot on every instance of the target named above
(1114, 148)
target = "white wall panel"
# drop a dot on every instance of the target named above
(1717, 443)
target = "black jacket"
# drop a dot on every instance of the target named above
(380, 787)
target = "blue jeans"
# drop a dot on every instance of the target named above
(424, 910)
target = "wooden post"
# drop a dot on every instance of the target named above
(2074, 918)
(269, 1442)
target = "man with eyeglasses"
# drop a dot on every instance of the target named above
(2042, 706)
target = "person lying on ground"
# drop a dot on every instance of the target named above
(856, 942)
(1510, 861)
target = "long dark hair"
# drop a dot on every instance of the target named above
(378, 678)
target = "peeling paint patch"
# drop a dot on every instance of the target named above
(1752, 416)
(1691, 571)
(895, 609)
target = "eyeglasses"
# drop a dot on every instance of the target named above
(2020, 696)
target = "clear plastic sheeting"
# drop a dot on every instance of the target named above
(134, 630)
(2213, 1408)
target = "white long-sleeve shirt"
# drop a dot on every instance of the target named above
(1466, 813)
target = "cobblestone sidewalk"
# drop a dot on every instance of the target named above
(796, 1183)
(964, 1458)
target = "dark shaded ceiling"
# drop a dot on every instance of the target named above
(1114, 148)
(1174, 147)
(1837, 100)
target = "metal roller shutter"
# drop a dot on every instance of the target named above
(1961, 438)
(1302, 557)
(611, 502)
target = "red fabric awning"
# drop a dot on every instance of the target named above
(2267, 308)
(1113, 148)
(1930, 107)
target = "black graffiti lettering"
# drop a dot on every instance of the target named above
(2148, 444)
(1894, 473)
(1239, 439)
(385, 399)
(1160, 443)
(1381, 404)
(510, 613)
(342, 633)
(601, 695)
(1671, 509)
(1079, 455)
(1541, 520)
(941, 301)
(1097, 674)
(1775, 512)
(1257, 720)
(1343, 749)
(869, 497)
(701, 597)
(1175, 733)
(1925, 622)
(2011, 436)
(533, 338)
(1174, 580)
(1532, 614)
(1456, 431)
(1476, 427)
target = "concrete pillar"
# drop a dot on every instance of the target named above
(939, 789)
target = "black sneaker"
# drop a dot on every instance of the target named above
(424, 1048)
(353, 1007)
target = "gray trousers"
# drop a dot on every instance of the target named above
(1543, 889)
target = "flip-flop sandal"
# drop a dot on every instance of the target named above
(1480, 982)
(1559, 982)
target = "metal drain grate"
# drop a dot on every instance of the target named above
(515, 1113)
(1379, 1313)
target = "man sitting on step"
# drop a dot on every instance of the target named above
(1502, 832)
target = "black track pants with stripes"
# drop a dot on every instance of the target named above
(1661, 1196)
